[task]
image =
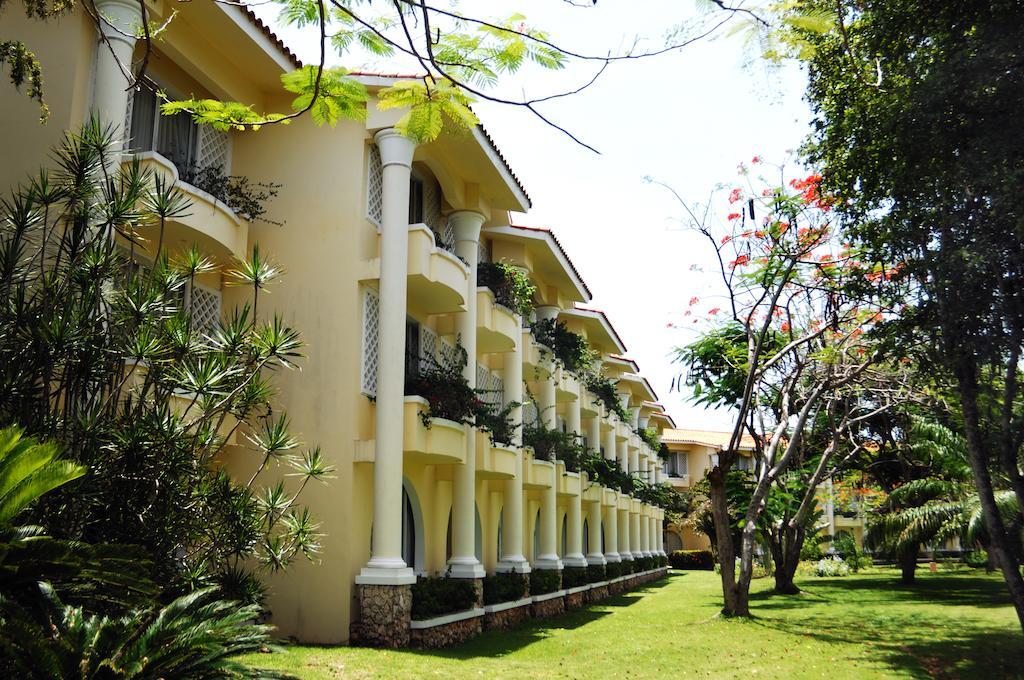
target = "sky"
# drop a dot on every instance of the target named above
(686, 119)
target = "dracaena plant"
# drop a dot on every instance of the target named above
(105, 357)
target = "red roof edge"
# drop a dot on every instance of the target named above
(266, 30)
(605, 316)
(545, 230)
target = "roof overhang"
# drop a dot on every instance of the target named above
(664, 417)
(600, 332)
(639, 385)
(551, 263)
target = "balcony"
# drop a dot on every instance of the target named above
(537, 473)
(609, 497)
(567, 388)
(593, 493)
(568, 482)
(589, 405)
(444, 442)
(494, 461)
(680, 480)
(438, 280)
(209, 224)
(624, 503)
(496, 325)
(535, 357)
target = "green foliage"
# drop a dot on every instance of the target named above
(627, 566)
(574, 577)
(504, 587)
(604, 390)
(98, 352)
(29, 469)
(608, 473)
(24, 67)
(596, 573)
(511, 287)
(692, 559)
(245, 198)
(613, 570)
(193, 636)
(555, 445)
(543, 581)
(436, 596)
(832, 566)
(649, 435)
(570, 349)
(433, 106)
(339, 97)
(976, 559)
(847, 547)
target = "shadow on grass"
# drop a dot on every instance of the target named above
(498, 642)
(896, 631)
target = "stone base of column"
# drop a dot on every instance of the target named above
(595, 559)
(574, 560)
(385, 613)
(516, 563)
(612, 558)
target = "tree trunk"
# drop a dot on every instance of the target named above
(785, 566)
(908, 565)
(736, 600)
(999, 544)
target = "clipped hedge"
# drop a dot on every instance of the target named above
(662, 560)
(628, 567)
(574, 577)
(644, 563)
(613, 570)
(692, 559)
(543, 581)
(436, 596)
(504, 587)
(596, 573)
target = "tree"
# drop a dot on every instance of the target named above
(462, 56)
(924, 162)
(104, 358)
(786, 348)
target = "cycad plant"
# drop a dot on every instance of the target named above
(936, 508)
(104, 356)
(71, 610)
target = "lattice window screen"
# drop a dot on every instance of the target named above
(497, 391)
(127, 132)
(428, 347)
(371, 324)
(449, 233)
(530, 414)
(213, 149)
(375, 185)
(205, 307)
(432, 206)
(449, 353)
(482, 254)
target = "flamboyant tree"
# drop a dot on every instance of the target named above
(787, 348)
(460, 53)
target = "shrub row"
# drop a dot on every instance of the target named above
(504, 587)
(596, 573)
(434, 596)
(692, 559)
(574, 577)
(543, 581)
(627, 567)
(613, 570)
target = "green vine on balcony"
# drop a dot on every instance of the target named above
(649, 435)
(604, 389)
(443, 384)
(555, 445)
(570, 349)
(511, 287)
(246, 199)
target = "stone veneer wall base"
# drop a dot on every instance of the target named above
(385, 613)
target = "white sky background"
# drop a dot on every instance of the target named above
(686, 118)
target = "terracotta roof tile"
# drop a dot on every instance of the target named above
(713, 438)
(258, 23)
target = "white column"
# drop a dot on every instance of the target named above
(623, 527)
(634, 457)
(634, 535)
(610, 447)
(463, 562)
(574, 519)
(645, 533)
(548, 558)
(623, 449)
(611, 535)
(512, 510)
(386, 566)
(645, 469)
(635, 420)
(594, 434)
(120, 22)
(594, 554)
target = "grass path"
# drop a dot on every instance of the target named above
(951, 625)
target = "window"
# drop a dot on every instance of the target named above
(371, 322)
(677, 464)
(412, 350)
(744, 463)
(176, 138)
(415, 199)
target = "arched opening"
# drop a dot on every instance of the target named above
(448, 539)
(586, 537)
(565, 537)
(500, 541)
(412, 528)
(673, 541)
(479, 538)
(536, 536)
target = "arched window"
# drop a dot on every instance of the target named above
(501, 543)
(536, 536)
(672, 541)
(565, 537)
(586, 537)
(412, 529)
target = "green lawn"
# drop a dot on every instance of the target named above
(951, 625)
